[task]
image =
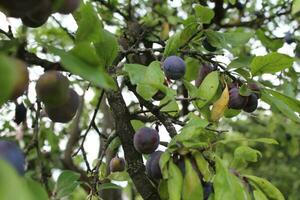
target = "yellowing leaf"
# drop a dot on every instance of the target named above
(165, 31)
(220, 105)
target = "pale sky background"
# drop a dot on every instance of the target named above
(91, 143)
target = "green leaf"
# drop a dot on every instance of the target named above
(216, 39)
(266, 187)
(238, 38)
(259, 195)
(192, 187)
(175, 181)
(272, 44)
(203, 166)
(119, 176)
(226, 185)
(270, 63)
(163, 190)
(294, 104)
(89, 24)
(36, 189)
(12, 185)
(136, 72)
(296, 7)
(243, 155)
(7, 78)
(204, 14)
(97, 75)
(188, 32)
(163, 163)
(261, 140)
(152, 81)
(66, 183)
(281, 106)
(173, 44)
(192, 69)
(207, 89)
(109, 186)
(86, 52)
(107, 47)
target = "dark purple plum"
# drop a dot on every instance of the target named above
(11, 153)
(65, 112)
(20, 113)
(251, 104)
(146, 140)
(255, 88)
(117, 164)
(236, 101)
(69, 6)
(203, 72)
(19, 8)
(38, 17)
(152, 165)
(174, 67)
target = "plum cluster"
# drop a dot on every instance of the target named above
(61, 102)
(247, 103)
(12, 154)
(34, 13)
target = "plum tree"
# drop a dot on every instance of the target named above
(117, 164)
(69, 6)
(146, 140)
(174, 67)
(22, 79)
(52, 89)
(251, 104)
(65, 112)
(11, 153)
(236, 101)
(152, 165)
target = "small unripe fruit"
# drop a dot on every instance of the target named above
(64, 113)
(69, 6)
(12, 154)
(22, 79)
(204, 71)
(152, 165)
(255, 88)
(174, 67)
(117, 164)
(236, 101)
(251, 104)
(146, 140)
(52, 89)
